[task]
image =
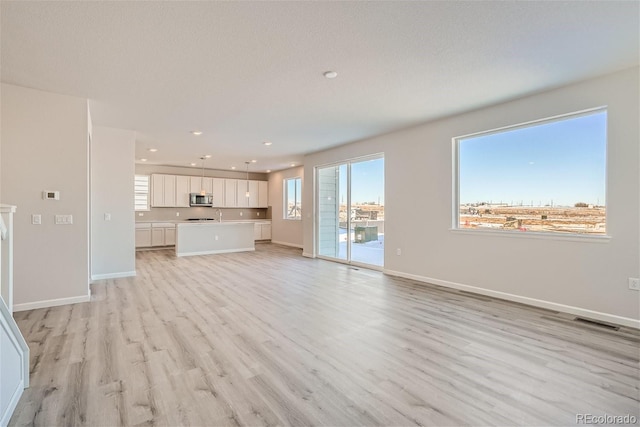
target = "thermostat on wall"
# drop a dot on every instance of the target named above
(51, 195)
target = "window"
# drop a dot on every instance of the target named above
(548, 176)
(141, 193)
(293, 198)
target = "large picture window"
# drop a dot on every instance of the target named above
(293, 198)
(547, 176)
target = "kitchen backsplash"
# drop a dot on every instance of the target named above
(169, 214)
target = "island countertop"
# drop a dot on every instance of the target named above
(211, 237)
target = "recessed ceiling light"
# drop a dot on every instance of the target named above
(143, 160)
(192, 164)
(253, 161)
(293, 164)
(196, 132)
(207, 156)
(233, 167)
(330, 74)
(268, 170)
(153, 150)
(267, 143)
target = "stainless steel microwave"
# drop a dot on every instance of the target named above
(197, 199)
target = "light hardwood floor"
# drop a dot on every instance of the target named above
(271, 338)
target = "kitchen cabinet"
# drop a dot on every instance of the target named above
(143, 235)
(230, 188)
(182, 191)
(170, 236)
(262, 231)
(155, 234)
(263, 194)
(157, 237)
(218, 192)
(242, 201)
(253, 194)
(163, 191)
(197, 184)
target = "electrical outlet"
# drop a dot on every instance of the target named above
(634, 283)
(177, 213)
(398, 251)
(258, 213)
(36, 219)
(107, 217)
(240, 213)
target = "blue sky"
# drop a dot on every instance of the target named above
(367, 182)
(561, 161)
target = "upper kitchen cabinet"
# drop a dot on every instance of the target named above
(230, 186)
(253, 194)
(182, 191)
(197, 184)
(263, 194)
(163, 191)
(218, 192)
(242, 201)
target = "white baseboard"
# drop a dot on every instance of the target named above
(293, 245)
(113, 275)
(50, 303)
(307, 255)
(578, 311)
(218, 251)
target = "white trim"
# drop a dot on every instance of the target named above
(4, 421)
(213, 252)
(113, 275)
(571, 237)
(308, 255)
(293, 245)
(51, 303)
(596, 315)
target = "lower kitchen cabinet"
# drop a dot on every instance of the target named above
(262, 231)
(143, 237)
(155, 235)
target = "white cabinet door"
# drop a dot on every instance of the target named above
(253, 194)
(263, 194)
(195, 184)
(242, 201)
(157, 191)
(265, 231)
(169, 236)
(257, 231)
(170, 191)
(230, 193)
(218, 192)
(207, 184)
(157, 237)
(182, 191)
(143, 238)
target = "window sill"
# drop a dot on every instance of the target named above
(534, 235)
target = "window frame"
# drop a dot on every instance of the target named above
(148, 193)
(455, 206)
(285, 198)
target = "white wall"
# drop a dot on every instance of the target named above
(112, 173)
(45, 147)
(580, 277)
(285, 231)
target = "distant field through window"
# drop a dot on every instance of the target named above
(548, 176)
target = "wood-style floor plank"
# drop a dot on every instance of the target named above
(271, 338)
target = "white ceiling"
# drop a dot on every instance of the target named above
(246, 72)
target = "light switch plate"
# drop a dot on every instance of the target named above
(107, 217)
(36, 219)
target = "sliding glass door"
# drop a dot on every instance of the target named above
(350, 209)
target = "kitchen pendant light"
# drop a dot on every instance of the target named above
(202, 189)
(247, 193)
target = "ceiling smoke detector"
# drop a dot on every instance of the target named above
(330, 74)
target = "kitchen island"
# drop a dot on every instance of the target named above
(204, 238)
